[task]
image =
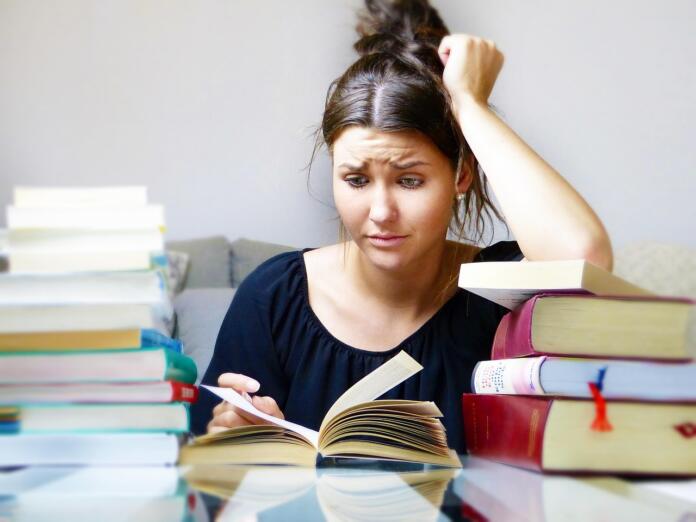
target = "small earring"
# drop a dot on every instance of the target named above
(460, 196)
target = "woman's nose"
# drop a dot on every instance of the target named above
(383, 207)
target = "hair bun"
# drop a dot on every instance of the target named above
(398, 27)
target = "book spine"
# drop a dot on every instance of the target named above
(178, 367)
(507, 429)
(182, 392)
(513, 337)
(151, 338)
(519, 376)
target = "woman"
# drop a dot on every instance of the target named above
(407, 126)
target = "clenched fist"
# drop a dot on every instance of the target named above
(471, 67)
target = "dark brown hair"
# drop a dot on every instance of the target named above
(396, 85)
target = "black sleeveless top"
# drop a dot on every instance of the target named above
(270, 333)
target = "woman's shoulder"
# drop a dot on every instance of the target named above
(280, 274)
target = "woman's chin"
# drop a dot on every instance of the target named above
(386, 259)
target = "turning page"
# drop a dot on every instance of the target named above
(376, 383)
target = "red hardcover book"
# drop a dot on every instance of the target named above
(584, 325)
(555, 435)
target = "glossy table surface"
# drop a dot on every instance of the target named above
(481, 490)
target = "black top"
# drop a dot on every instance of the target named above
(271, 333)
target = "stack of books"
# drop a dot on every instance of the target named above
(588, 373)
(88, 372)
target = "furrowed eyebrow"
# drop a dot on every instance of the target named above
(399, 166)
(410, 164)
(352, 168)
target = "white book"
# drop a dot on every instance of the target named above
(100, 218)
(93, 449)
(103, 418)
(80, 197)
(61, 318)
(43, 241)
(89, 392)
(58, 262)
(146, 286)
(145, 364)
(566, 377)
(510, 283)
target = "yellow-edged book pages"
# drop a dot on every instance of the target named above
(509, 283)
(356, 426)
(74, 340)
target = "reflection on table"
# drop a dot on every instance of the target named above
(482, 490)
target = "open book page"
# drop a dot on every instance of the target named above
(237, 400)
(376, 383)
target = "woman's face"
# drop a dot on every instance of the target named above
(394, 193)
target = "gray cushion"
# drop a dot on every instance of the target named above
(209, 264)
(199, 315)
(246, 255)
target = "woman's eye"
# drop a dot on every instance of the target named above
(357, 181)
(411, 183)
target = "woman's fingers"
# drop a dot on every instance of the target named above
(226, 416)
(267, 405)
(239, 382)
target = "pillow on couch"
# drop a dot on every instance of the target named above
(199, 315)
(246, 255)
(209, 264)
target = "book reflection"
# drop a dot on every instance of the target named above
(340, 494)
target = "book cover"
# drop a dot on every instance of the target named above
(568, 377)
(70, 317)
(144, 217)
(145, 364)
(510, 283)
(585, 325)
(142, 286)
(101, 418)
(555, 435)
(87, 340)
(107, 392)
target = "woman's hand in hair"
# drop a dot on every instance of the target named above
(471, 67)
(226, 416)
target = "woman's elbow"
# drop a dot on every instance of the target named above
(598, 251)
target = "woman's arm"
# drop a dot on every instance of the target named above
(549, 219)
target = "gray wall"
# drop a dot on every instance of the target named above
(212, 104)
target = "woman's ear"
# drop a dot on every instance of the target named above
(466, 176)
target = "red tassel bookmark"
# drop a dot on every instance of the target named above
(601, 421)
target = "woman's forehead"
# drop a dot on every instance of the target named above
(373, 145)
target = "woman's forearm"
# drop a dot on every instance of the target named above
(548, 218)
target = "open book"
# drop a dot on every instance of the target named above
(356, 426)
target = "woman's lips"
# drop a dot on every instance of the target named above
(386, 241)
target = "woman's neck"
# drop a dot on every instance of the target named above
(416, 288)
